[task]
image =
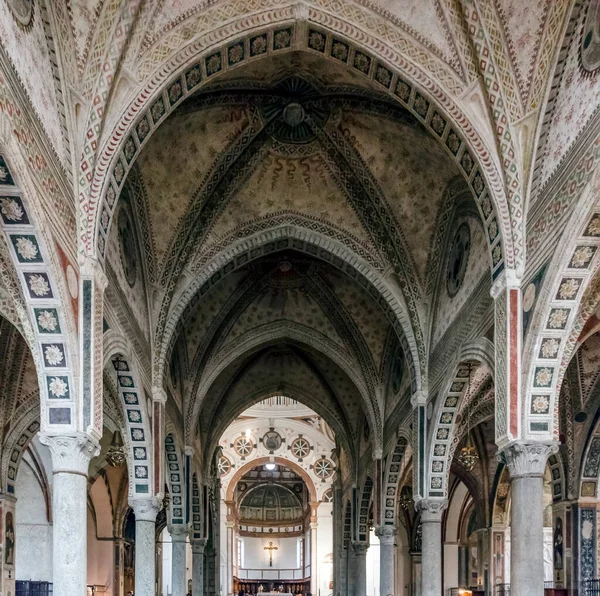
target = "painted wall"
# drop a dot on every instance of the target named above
(324, 547)
(33, 533)
(255, 557)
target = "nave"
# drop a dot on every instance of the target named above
(299, 296)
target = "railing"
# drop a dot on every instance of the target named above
(590, 587)
(502, 590)
(29, 588)
(270, 574)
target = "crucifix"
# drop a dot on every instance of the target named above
(271, 548)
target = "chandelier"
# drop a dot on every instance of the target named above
(116, 452)
(468, 455)
(405, 500)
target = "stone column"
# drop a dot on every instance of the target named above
(526, 463)
(360, 563)
(314, 573)
(178, 562)
(198, 567)
(387, 539)
(432, 511)
(71, 457)
(145, 544)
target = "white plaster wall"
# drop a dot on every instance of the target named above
(33, 533)
(257, 558)
(100, 557)
(324, 547)
(373, 566)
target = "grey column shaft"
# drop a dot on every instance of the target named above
(71, 457)
(145, 571)
(69, 509)
(526, 463)
(178, 564)
(360, 563)
(431, 557)
(145, 546)
(527, 537)
(197, 570)
(386, 566)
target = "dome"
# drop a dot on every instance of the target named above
(270, 503)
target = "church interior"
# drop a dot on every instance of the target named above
(300, 297)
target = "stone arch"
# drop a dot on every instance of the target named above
(197, 510)
(47, 326)
(391, 482)
(449, 403)
(15, 445)
(259, 461)
(252, 341)
(138, 435)
(363, 512)
(311, 243)
(176, 481)
(347, 521)
(296, 392)
(568, 298)
(410, 86)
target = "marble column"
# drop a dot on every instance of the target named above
(145, 544)
(71, 457)
(387, 573)
(198, 567)
(178, 559)
(526, 464)
(432, 511)
(314, 571)
(360, 563)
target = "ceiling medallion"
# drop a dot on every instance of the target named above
(323, 469)
(590, 38)
(223, 466)
(458, 259)
(22, 11)
(272, 441)
(243, 446)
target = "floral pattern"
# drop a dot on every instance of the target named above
(540, 404)
(134, 416)
(549, 348)
(47, 321)
(543, 376)
(58, 387)
(582, 257)
(137, 434)
(38, 285)
(12, 211)
(27, 249)
(558, 318)
(53, 355)
(568, 289)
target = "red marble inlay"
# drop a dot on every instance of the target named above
(157, 446)
(514, 361)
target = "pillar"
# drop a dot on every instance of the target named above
(8, 544)
(178, 562)
(145, 544)
(314, 573)
(71, 457)
(432, 511)
(526, 464)
(198, 567)
(387, 573)
(230, 562)
(360, 564)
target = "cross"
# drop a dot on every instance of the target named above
(271, 548)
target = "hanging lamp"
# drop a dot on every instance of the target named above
(468, 455)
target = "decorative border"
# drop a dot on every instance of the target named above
(58, 408)
(391, 481)
(196, 509)
(175, 475)
(363, 513)
(138, 424)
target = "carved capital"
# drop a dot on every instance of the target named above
(509, 278)
(198, 546)
(360, 548)
(431, 509)
(91, 268)
(300, 11)
(527, 459)
(72, 453)
(145, 509)
(386, 535)
(178, 532)
(419, 398)
(159, 394)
